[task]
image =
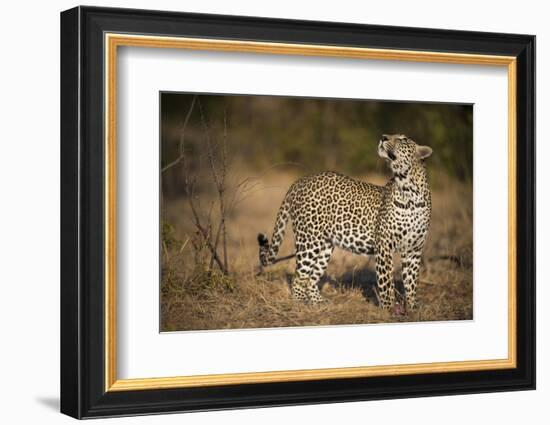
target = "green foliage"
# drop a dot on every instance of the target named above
(168, 236)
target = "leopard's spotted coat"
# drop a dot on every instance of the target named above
(330, 209)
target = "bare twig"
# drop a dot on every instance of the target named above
(209, 150)
(182, 138)
(184, 244)
(246, 194)
(221, 186)
(219, 181)
(277, 260)
(165, 249)
(206, 237)
(286, 257)
(222, 203)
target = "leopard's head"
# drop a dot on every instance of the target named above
(401, 153)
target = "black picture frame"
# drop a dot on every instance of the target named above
(83, 392)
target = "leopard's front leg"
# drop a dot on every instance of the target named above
(411, 268)
(384, 277)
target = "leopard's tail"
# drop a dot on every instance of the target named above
(268, 251)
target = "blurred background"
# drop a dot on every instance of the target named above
(317, 134)
(226, 164)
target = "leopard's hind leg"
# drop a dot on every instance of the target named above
(299, 286)
(311, 261)
(320, 265)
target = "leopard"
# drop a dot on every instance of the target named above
(331, 210)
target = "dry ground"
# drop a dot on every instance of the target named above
(194, 299)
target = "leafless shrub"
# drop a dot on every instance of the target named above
(212, 233)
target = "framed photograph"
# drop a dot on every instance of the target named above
(261, 212)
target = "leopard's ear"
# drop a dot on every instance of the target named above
(423, 152)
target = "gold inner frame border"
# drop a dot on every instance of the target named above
(111, 43)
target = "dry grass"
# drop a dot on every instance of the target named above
(193, 298)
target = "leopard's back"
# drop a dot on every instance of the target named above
(335, 207)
